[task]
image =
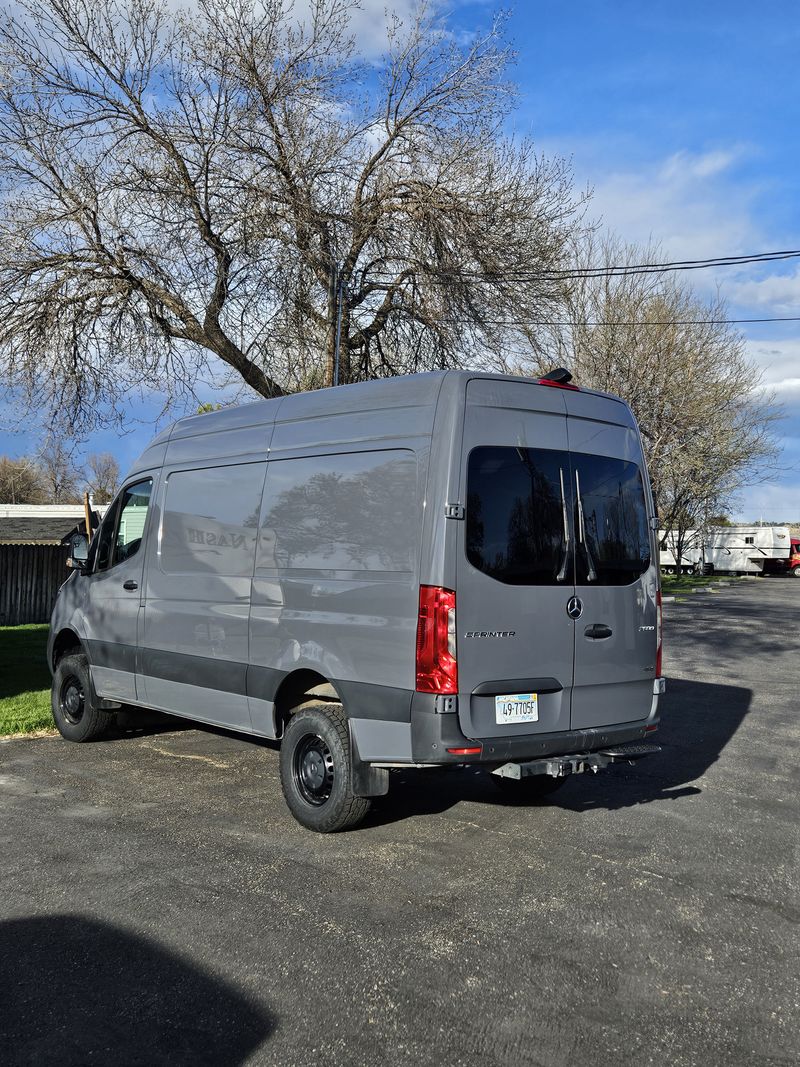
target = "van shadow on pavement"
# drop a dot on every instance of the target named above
(78, 991)
(698, 719)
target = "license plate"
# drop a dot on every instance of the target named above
(516, 707)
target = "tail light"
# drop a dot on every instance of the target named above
(437, 671)
(558, 385)
(659, 633)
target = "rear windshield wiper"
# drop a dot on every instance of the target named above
(562, 574)
(591, 573)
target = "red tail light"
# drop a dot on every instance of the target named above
(437, 671)
(659, 633)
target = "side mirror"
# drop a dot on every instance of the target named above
(79, 554)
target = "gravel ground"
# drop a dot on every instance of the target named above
(158, 905)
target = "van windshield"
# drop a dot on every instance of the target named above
(528, 525)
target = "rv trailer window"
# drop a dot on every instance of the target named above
(616, 534)
(516, 513)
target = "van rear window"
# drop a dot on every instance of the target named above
(515, 515)
(522, 502)
(615, 546)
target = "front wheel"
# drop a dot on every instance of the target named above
(72, 702)
(315, 771)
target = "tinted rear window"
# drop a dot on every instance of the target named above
(519, 499)
(515, 517)
(616, 533)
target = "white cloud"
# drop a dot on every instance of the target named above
(685, 166)
(778, 294)
(778, 360)
(686, 203)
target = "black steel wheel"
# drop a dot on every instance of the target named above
(316, 776)
(313, 770)
(73, 704)
(72, 699)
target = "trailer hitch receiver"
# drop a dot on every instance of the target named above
(578, 762)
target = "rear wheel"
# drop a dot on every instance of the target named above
(534, 788)
(315, 770)
(73, 702)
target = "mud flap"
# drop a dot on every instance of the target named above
(366, 780)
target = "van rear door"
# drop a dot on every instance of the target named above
(616, 576)
(515, 565)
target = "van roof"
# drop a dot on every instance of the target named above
(404, 389)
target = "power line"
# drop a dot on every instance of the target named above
(577, 273)
(670, 265)
(601, 322)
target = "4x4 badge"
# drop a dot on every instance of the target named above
(574, 608)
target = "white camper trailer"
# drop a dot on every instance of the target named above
(728, 549)
(745, 549)
(689, 556)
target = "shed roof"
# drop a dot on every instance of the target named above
(40, 524)
(35, 531)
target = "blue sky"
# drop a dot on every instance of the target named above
(683, 118)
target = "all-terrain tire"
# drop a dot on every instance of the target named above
(73, 702)
(315, 770)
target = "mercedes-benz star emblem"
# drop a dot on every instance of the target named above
(574, 608)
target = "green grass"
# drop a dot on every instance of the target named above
(24, 680)
(672, 584)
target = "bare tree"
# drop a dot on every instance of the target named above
(60, 472)
(21, 481)
(103, 475)
(707, 423)
(237, 194)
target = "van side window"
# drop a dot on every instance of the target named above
(749, 540)
(516, 514)
(617, 539)
(351, 512)
(211, 520)
(120, 535)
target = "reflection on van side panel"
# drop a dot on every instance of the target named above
(443, 568)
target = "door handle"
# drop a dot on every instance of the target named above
(597, 631)
(130, 584)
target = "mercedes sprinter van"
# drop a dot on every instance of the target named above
(453, 568)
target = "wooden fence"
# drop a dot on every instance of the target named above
(30, 577)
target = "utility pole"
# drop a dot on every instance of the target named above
(339, 289)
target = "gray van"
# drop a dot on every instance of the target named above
(452, 568)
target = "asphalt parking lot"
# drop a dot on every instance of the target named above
(159, 905)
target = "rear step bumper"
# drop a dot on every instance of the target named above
(577, 762)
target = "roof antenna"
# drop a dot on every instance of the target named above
(560, 375)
